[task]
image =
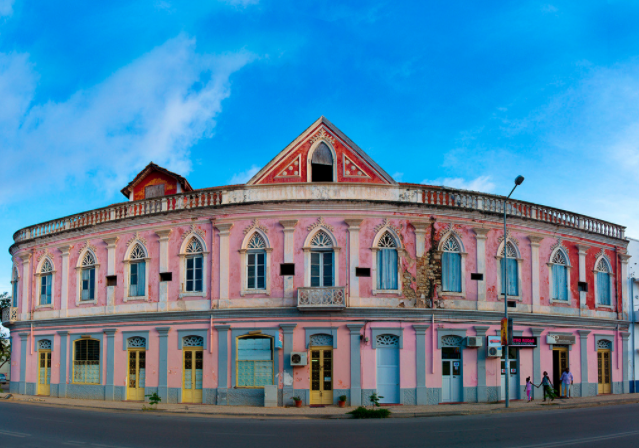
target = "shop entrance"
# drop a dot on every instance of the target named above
(559, 364)
(513, 371)
(136, 375)
(603, 369)
(451, 375)
(322, 375)
(192, 375)
(44, 372)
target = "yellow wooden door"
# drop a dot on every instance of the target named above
(603, 371)
(563, 365)
(136, 375)
(44, 372)
(192, 375)
(322, 375)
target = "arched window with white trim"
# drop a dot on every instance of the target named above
(194, 266)
(87, 276)
(511, 282)
(136, 271)
(387, 263)
(451, 265)
(322, 256)
(46, 280)
(603, 283)
(559, 273)
(255, 261)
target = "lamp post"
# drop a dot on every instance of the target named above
(504, 276)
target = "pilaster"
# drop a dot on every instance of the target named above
(482, 391)
(537, 391)
(353, 249)
(64, 362)
(481, 234)
(420, 237)
(583, 354)
(225, 232)
(163, 361)
(109, 390)
(534, 252)
(420, 363)
(26, 283)
(222, 363)
(583, 249)
(624, 342)
(289, 254)
(64, 289)
(24, 343)
(164, 235)
(111, 244)
(624, 286)
(288, 391)
(356, 381)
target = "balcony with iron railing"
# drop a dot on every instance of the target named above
(411, 194)
(330, 298)
(9, 315)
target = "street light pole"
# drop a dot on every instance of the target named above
(504, 276)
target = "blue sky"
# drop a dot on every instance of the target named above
(467, 94)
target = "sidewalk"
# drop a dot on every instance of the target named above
(329, 411)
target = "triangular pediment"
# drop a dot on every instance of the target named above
(293, 163)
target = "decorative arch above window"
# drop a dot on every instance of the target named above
(136, 342)
(451, 245)
(47, 266)
(255, 260)
(321, 240)
(318, 340)
(256, 242)
(387, 340)
(321, 263)
(44, 344)
(138, 252)
(387, 241)
(46, 283)
(192, 341)
(560, 258)
(386, 248)
(603, 266)
(511, 250)
(89, 259)
(603, 280)
(194, 246)
(136, 270)
(87, 273)
(511, 283)
(451, 341)
(559, 273)
(602, 344)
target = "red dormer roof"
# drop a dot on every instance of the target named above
(155, 181)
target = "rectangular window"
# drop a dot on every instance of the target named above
(512, 278)
(559, 282)
(322, 269)
(254, 362)
(45, 290)
(256, 270)
(154, 191)
(86, 361)
(387, 269)
(137, 281)
(603, 288)
(194, 274)
(88, 284)
(451, 272)
(15, 294)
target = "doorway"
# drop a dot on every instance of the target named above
(322, 375)
(603, 371)
(513, 371)
(559, 364)
(192, 375)
(451, 375)
(387, 354)
(136, 375)
(44, 372)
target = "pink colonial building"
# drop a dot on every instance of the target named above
(320, 277)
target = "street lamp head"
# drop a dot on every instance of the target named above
(519, 180)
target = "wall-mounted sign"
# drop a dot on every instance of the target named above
(524, 341)
(494, 341)
(561, 339)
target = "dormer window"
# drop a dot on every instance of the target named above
(322, 164)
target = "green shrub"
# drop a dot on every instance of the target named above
(362, 412)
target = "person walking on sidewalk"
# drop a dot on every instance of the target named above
(529, 387)
(547, 385)
(566, 381)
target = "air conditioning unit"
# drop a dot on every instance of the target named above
(474, 341)
(494, 352)
(299, 358)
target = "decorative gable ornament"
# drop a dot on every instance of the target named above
(387, 225)
(351, 169)
(510, 238)
(86, 245)
(323, 135)
(193, 230)
(44, 253)
(293, 169)
(135, 238)
(320, 223)
(255, 224)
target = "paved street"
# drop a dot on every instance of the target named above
(23, 425)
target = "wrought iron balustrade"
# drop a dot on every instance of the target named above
(325, 298)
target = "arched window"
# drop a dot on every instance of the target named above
(86, 361)
(194, 265)
(387, 262)
(603, 285)
(510, 282)
(88, 276)
(254, 361)
(256, 262)
(322, 164)
(46, 278)
(451, 266)
(136, 342)
(559, 265)
(14, 288)
(137, 271)
(322, 257)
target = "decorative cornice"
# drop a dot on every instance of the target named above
(164, 233)
(25, 256)
(323, 135)
(289, 224)
(320, 223)
(353, 223)
(388, 225)
(193, 229)
(86, 245)
(255, 224)
(481, 233)
(111, 242)
(535, 239)
(224, 227)
(134, 238)
(583, 249)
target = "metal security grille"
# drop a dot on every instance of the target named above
(318, 340)
(193, 341)
(44, 344)
(136, 342)
(451, 341)
(86, 362)
(604, 345)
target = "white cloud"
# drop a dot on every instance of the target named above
(398, 176)
(244, 176)
(155, 109)
(6, 7)
(241, 3)
(482, 183)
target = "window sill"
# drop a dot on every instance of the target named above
(517, 298)
(259, 292)
(608, 307)
(562, 302)
(192, 294)
(43, 307)
(452, 294)
(85, 302)
(397, 292)
(136, 299)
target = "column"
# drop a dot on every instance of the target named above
(64, 362)
(482, 390)
(225, 232)
(109, 389)
(222, 363)
(289, 254)
(420, 237)
(627, 309)
(288, 391)
(111, 246)
(534, 251)
(64, 291)
(163, 304)
(24, 342)
(163, 361)
(26, 282)
(356, 380)
(625, 385)
(582, 274)
(538, 392)
(583, 353)
(420, 363)
(480, 235)
(353, 262)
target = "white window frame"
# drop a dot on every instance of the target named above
(551, 280)
(79, 268)
(205, 261)
(127, 272)
(520, 260)
(266, 291)
(309, 159)
(598, 303)
(375, 249)
(463, 254)
(39, 276)
(307, 255)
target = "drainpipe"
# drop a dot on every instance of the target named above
(634, 335)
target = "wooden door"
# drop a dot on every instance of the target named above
(388, 374)
(192, 375)
(136, 375)
(44, 372)
(560, 364)
(603, 371)
(322, 375)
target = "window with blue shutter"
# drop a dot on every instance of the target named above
(15, 290)
(603, 282)
(137, 272)
(559, 276)
(322, 271)
(88, 277)
(451, 266)
(45, 282)
(387, 260)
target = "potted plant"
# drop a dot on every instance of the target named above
(342, 401)
(298, 402)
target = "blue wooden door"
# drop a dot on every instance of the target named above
(388, 371)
